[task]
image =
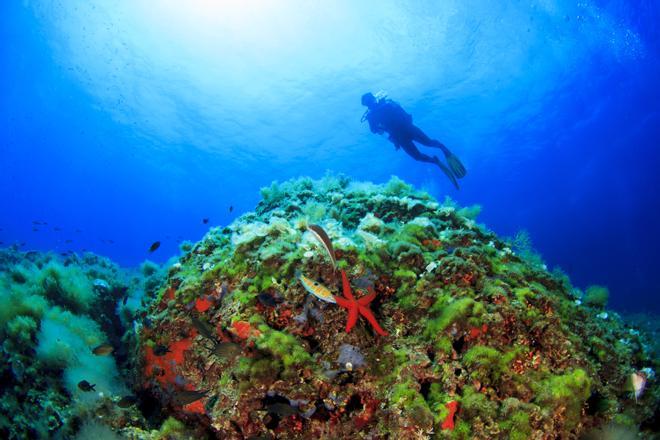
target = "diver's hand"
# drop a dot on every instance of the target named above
(455, 165)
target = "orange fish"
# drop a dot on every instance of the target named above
(103, 349)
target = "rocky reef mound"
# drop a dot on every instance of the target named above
(456, 333)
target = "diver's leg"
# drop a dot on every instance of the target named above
(419, 136)
(413, 152)
(454, 163)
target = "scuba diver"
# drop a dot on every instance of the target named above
(385, 115)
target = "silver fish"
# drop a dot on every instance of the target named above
(319, 233)
(638, 380)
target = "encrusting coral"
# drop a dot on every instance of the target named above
(477, 342)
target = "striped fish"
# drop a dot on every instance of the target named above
(317, 289)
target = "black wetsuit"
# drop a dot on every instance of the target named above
(388, 116)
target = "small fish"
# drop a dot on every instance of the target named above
(638, 380)
(226, 350)
(205, 221)
(77, 230)
(320, 234)
(103, 349)
(268, 300)
(231, 208)
(68, 241)
(184, 397)
(161, 350)
(127, 401)
(317, 289)
(204, 328)
(123, 301)
(57, 229)
(281, 409)
(86, 386)
(35, 230)
(155, 245)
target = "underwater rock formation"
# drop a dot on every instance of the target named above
(481, 343)
(67, 327)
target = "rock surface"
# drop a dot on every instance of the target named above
(483, 342)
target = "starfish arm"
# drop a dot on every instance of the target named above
(342, 302)
(346, 286)
(364, 311)
(352, 318)
(365, 300)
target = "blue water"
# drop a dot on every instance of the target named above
(123, 123)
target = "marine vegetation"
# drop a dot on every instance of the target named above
(463, 337)
(68, 329)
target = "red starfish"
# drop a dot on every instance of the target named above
(357, 307)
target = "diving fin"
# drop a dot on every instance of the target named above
(447, 172)
(455, 165)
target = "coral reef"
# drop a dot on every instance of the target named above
(481, 342)
(337, 309)
(53, 312)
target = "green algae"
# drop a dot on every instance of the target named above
(171, 427)
(405, 274)
(523, 293)
(517, 426)
(569, 391)
(459, 310)
(53, 310)
(596, 296)
(283, 346)
(407, 398)
(471, 319)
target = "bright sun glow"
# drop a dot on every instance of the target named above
(246, 27)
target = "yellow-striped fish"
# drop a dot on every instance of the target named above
(317, 289)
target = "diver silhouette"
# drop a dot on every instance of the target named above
(385, 115)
